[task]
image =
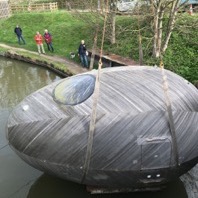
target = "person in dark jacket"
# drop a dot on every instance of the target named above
(48, 39)
(82, 53)
(18, 32)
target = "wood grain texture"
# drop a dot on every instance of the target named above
(132, 137)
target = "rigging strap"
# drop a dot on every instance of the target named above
(170, 115)
(95, 102)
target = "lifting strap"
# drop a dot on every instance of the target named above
(170, 115)
(95, 102)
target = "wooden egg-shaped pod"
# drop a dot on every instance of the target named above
(145, 131)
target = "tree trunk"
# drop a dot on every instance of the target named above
(98, 4)
(160, 26)
(171, 24)
(140, 50)
(92, 59)
(155, 13)
(113, 21)
(113, 29)
(139, 38)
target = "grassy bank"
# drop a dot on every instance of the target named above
(68, 29)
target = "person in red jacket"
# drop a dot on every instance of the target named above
(48, 39)
(39, 42)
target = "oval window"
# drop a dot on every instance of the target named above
(74, 90)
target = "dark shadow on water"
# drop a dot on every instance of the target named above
(51, 187)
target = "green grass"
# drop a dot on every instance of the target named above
(68, 29)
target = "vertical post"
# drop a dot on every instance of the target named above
(190, 10)
(92, 58)
(98, 4)
(68, 5)
(50, 4)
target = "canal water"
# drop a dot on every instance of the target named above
(19, 180)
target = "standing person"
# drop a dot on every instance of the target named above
(48, 39)
(18, 32)
(82, 53)
(39, 42)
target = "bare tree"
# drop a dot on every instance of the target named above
(161, 9)
(112, 21)
(161, 14)
(139, 38)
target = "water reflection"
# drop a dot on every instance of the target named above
(50, 187)
(18, 80)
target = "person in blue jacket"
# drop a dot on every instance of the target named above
(82, 52)
(18, 32)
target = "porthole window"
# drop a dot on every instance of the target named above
(74, 90)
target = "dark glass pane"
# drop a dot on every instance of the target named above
(74, 90)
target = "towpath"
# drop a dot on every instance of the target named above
(109, 60)
(71, 65)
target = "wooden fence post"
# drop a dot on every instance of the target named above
(34, 7)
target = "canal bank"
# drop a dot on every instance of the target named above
(62, 66)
